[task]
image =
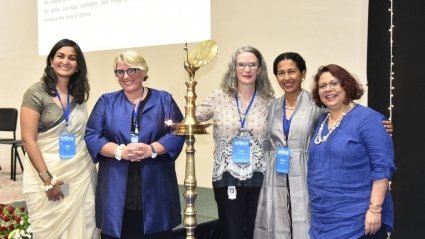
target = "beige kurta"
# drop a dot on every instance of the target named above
(72, 217)
(273, 219)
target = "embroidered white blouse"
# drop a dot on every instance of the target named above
(223, 110)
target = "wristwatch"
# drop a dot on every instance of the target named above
(154, 154)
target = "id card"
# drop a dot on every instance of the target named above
(67, 148)
(134, 138)
(65, 189)
(282, 160)
(231, 192)
(240, 150)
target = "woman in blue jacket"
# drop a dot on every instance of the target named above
(137, 194)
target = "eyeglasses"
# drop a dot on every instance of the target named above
(130, 72)
(242, 66)
(332, 84)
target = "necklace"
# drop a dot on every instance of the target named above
(135, 101)
(319, 139)
(289, 108)
(138, 99)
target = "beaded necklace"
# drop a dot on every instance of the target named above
(319, 139)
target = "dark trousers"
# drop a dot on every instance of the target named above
(237, 216)
(380, 234)
(132, 228)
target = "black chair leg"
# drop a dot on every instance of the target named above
(12, 163)
(20, 162)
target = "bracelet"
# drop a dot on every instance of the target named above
(374, 211)
(51, 185)
(118, 151)
(375, 205)
(45, 175)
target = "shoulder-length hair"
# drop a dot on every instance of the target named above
(229, 83)
(78, 85)
(353, 89)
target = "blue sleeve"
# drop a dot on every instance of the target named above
(94, 136)
(379, 145)
(172, 143)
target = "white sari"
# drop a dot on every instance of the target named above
(72, 217)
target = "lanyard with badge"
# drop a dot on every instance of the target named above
(283, 154)
(241, 144)
(241, 152)
(135, 120)
(67, 147)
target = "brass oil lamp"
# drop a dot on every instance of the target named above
(203, 53)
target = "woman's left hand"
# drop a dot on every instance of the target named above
(372, 222)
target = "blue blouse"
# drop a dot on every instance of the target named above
(110, 121)
(341, 172)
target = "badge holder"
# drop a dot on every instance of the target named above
(282, 160)
(241, 150)
(134, 137)
(231, 192)
(67, 148)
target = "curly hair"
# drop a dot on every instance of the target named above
(78, 85)
(229, 83)
(353, 89)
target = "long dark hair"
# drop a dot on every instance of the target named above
(78, 85)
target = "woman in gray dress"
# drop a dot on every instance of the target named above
(283, 205)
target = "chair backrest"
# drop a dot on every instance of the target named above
(9, 120)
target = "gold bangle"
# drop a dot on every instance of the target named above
(375, 205)
(374, 211)
(45, 175)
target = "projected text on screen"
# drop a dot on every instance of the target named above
(114, 24)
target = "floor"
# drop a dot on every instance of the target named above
(205, 206)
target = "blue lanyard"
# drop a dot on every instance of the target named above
(135, 126)
(247, 109)
(286, 122)
(67, 110)
(135, 118)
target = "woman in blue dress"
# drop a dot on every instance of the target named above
(351, 161)
(137, 194)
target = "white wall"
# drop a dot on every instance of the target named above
(323, 32)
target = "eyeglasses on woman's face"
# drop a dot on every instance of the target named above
(242, 66)
(129, 71)
(332, 84)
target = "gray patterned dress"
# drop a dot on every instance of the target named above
(275, 203)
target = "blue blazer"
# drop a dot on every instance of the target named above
(110, 121)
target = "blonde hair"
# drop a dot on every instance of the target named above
(132, 59)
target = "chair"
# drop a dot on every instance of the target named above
(8, 122)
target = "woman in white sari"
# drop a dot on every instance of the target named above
(59, 177)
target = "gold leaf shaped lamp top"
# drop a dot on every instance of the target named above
(203, 53)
